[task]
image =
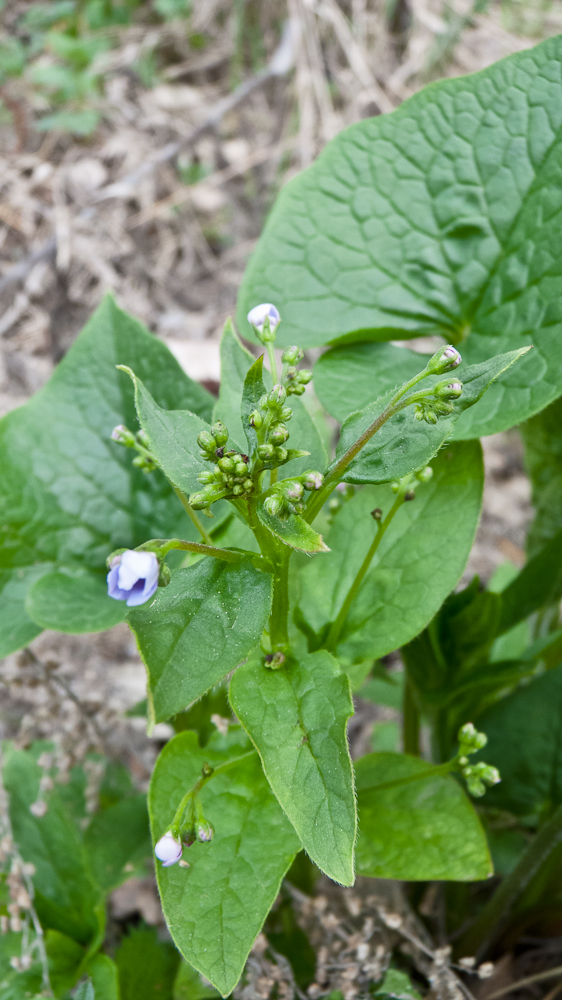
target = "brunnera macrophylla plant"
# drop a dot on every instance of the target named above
(246, 552)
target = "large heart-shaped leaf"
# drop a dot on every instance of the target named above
(217, 906)
(198, 629)
(68, 494)
(419, 830)
(297, 717)
(418, 562)
(441, 217)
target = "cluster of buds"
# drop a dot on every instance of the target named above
(286, 497)
(294, 380)
(189, 825)
(477, 776)
(230, 476)
(269, 421)
(144, 460)
(440, 403)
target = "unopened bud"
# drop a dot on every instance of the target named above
(470, 740)
(199, 500)
(424, 475)
(265, 319)
(123, 436)
(220, 433)
(304, 376)
(206, 441)
(286, 413)
(294, 490)
(313, 480)
(266, 452)
(292, 355)
(279, 434)
(274, 505)
(281, 455)
(255, 419)
(377, 514)
(409, 495)
(277, 396)
(204, 831)
(225, 464)
(444, 360)
(205, 478)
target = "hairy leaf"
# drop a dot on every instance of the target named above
(118, 838)
(73, 603)
(297, 718)
(69, 495)
(198, 629)
(418, 562)
(543, 460)
(217, 906)
(422, 830)
(292, 530)
(441, 217)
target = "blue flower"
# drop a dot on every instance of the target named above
(133, 577)
(258, 315)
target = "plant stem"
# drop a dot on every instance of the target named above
(191, 514)
(204, 550)
(337, 625)
(410, 721)
(494, 918)
(278, 621)
(205, 777)
(272, 362)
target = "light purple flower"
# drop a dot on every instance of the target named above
(168, 850)
(257, 316)
(133, 577)
(452, 355)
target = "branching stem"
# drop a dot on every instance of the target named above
(191, 514)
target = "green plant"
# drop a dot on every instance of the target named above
(242, 555)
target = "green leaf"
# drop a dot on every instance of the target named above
(523, 731)
(118, 838)
(438, 218)
(105, 978)
(147, 967)
(76, 603)
(198, 629)
(404, 444)
(65, 958)
(425, 829)
(16, 627)
(348, 378)
(292, 530)
(297, 718)
(539, 583)
(252, 392)
(172, 436)
(397, 985)
(66, 896)
(216, 907)
(85, 991)
(235, 361)
(68, 494)
(188, 985)
(543, 462)
(17, 985)
(418, 562)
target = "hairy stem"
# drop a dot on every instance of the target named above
(494, 918)
(272, 362)
(204, 550)
(206, 775)
(279, 618)
(410, 721)
(191, 514)
(337, 625)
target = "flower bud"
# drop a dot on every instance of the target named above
(237, 490)
(255, 419)
(286, 413)
(225, 464)
(220, 433)
(199, 500)
(123, 436)
(265, 319)
(279, 434)
(240, 469)
(248, 485)
(447, 390)
(274, 505)
(304, 376)
(142, 439)
(377, 514)
(281, 455)
(165, 576)
(204, 831)
(292, 355)
(312, 480)
(266, 452)
(424, 475)
(470, 740)
(205, 478)
(277, 396)
(444, 360)
(294, 490)
(168, 850)
(206, 442)
(409, 495)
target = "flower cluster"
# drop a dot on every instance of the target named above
(188, 826)
(480, 775)
(144, 460)
(230, 477)
(294, 380)
(286, 497)
(440, 403)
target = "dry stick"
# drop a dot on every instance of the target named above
(528, 981)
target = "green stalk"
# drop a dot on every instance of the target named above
(410, 721)
(204, 550)
(494, 918)
(279, 618)
(337, 625)
(272, 361)
(207, 773)
(191, 514)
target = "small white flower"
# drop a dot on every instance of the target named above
(257, 316)
(168, 850)
(133, 577)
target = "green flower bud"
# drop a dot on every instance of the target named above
(312, 480)
(123, 436)
(292, 355)
(237, 490)
(274, 505)
(205, 478)
(470, 740)
(279, 434)
(206, 442)
(248, 485)
(281, 455)
(263, 402)
(447, 390)
(220, 433)
(199, 500)
(293, 490)
(277, 396)
(266, 452)
(225, 464)
(424, 475)
(304, 376)
(255, 419)
(204, 831)
(444, 360)
(240, 469)
(286, 413)
(295, 390)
